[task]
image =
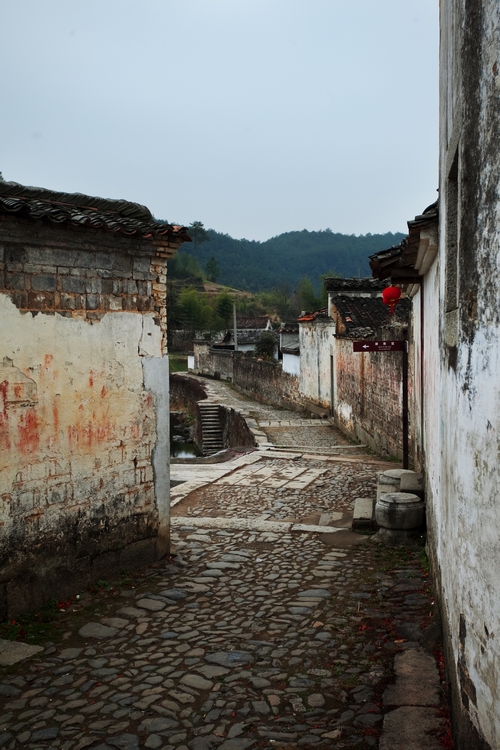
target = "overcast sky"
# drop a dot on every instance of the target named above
(255, 117)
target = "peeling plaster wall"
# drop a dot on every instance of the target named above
(463, 449)
(78, 428)
(315, 372)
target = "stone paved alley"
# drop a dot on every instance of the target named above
(273, 625)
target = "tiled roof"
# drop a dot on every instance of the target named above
(246, 335)
(292, 349)
(333, 284)
(362, 316)
(288, 328)
(260, 322)
(84, 210)
(398, 262)
(307, 317)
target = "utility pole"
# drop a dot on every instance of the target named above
(235, 329)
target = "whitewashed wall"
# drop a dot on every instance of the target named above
(462, 370)
(291, 364)
(315, 370)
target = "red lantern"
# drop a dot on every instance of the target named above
(390, 296)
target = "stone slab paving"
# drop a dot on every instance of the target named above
(311, 436)
(12, 652)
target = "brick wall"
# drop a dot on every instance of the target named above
(368, 396)
(81, 272)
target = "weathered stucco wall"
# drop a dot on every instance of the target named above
(84, 444)
(77, 428)
(368, 396)
(463, 440)
(315, 371)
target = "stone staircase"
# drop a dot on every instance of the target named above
(211, 432)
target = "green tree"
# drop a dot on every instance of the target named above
(198, 233)
(308, 297)
(184, 266)
(213, 269)
(224, 307)
(266, 345)
(191, 309)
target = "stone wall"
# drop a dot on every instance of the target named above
(216, 363)
(266, 382)
(185, 393)
(235, 431)
(83, 409)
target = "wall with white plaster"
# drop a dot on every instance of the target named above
(315, 369)
(83, 432)
(462, 388)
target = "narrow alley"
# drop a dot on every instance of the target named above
(271, 625)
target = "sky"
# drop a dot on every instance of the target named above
(256, 117)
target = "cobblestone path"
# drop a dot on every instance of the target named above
(252, 635)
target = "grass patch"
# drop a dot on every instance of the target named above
(178, 363)
(33, 627)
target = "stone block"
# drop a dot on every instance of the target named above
(142, 264)
(93, 301)
(122, 263)
(417, 680)
(73, 284)
(115, 303)
(48, 257)
(138, 554)
(107, 286)
(20, 299)
(83, 259)
(44, 283)
(363, 513)
(93, 285)
(39, 268)
(103, 261)
(411, 728)
(16, 281)
(67, 302)
(106, 566)
(12, 652)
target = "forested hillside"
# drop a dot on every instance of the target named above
(287, 258)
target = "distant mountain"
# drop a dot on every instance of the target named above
(287, 258)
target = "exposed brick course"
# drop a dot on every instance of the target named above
(53, 269)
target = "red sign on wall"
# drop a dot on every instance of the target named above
(377, 346)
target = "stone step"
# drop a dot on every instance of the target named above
(363, 513)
